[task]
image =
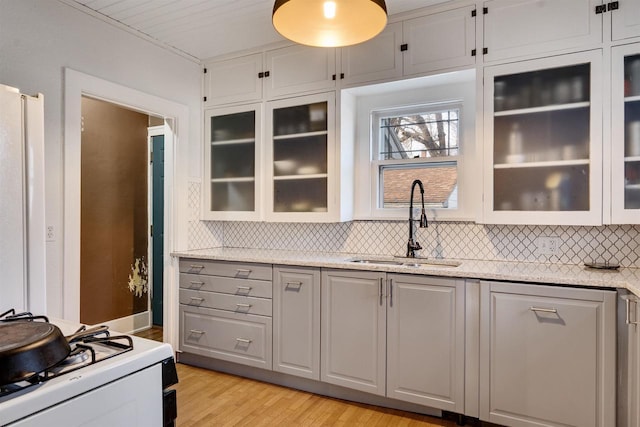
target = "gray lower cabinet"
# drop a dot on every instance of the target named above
(425, 341)
(226, 311)
(395, 335)
(547, 355)
(296, 321)
(628, 360)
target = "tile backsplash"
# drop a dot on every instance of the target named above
(442, 239)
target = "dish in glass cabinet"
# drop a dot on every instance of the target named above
(308, 170)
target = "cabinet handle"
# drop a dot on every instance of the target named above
(244, 289)
(243, 271)
(628, 320)
(381, 291)
(391, 292)
(196, 299)
(243, 340)
(543, 310)
(291, 285)
(240, 305)
(404, 47)
(193, 283)
(196, 266)
(196, 331)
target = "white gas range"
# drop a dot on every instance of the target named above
(115, 381)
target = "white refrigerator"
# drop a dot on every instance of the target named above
(22, 215)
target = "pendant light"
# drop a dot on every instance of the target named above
(329, 23)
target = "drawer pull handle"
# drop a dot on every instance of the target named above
(543, 310)
(243, 271)
(628, 320)
(196, 300)
(193, 284)
(296, 285)
(196, 266)
(240, 305)
(244, 289)
(197, 331)
(243, 340)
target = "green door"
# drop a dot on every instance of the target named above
(158, 227)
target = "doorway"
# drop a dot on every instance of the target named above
(176, 125)
(117, 250)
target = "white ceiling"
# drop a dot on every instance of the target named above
(203, 29)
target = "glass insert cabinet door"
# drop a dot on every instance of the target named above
(542, 125)
(625, 135)
(231, 162)
(299, 156)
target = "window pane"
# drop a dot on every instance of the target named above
(426, 134)
(440, 181)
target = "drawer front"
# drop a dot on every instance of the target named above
(226, 285)
(234, 303)
(240, 338)
(226, 268)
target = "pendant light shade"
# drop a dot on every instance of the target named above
(329, 23)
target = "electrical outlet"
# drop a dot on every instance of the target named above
(548, 245)
(51, 235)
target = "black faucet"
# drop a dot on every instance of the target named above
(412, 245)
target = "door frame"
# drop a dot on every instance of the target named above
(176, 126)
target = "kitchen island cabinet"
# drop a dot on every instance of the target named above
(404, 340)
(547, 355)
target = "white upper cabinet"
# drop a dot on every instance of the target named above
(543, 141)
(233, 80)
(625, 19)
(298, 69)
(625, 134)
(231, 170)
(416, 46)
(271, 74)
(439, 41)
(517, 28)
(302, 157)
(377, 59)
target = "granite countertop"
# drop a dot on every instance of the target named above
(558, 274)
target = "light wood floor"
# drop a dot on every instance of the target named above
(208, 398)
(154, 333)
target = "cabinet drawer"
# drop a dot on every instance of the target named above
(240, 338)
(226, 268)
(237, 304)
(226, 285)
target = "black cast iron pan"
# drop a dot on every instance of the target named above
(27, 348)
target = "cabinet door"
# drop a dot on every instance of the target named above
(439, 41)
(298, 69)
(625, 134)
(625, 21)
(425, 341)
(300, 156)
(231, 173)
(628, 360)
(543, 141)
(233, 80)
(516, 28)
(377, 59)
(353, 330)
(547, 354)
(296, 322)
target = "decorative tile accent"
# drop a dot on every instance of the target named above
(462, 240)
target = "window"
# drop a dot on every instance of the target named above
(419, 142)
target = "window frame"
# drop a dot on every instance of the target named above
(356, 105)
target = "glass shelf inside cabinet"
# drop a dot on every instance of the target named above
(541, 141)
(233, 162)
(300, 158)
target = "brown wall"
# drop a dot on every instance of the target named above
(114, 218)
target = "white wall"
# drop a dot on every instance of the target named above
(38, 39)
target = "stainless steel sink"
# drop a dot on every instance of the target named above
(409, 262)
